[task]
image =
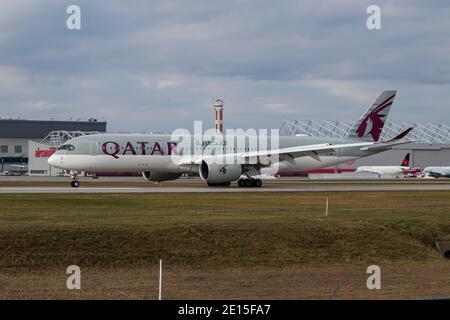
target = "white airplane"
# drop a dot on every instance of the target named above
(436, 172)
(402, 168)
(162, 157)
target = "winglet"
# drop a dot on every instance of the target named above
(390, 143)
(402, 134)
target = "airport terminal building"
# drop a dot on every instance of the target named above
(25, 145)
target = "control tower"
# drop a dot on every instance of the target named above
(218, 112)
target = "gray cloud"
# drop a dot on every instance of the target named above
(158, 65)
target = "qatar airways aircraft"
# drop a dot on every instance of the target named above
(162, 157)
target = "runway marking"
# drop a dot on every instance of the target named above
(269, 188)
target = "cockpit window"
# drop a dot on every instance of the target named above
(67, 147)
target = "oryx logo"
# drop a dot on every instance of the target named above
(207, 143)
(373, 123)
(223, 170)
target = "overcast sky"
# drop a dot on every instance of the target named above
(159, 64)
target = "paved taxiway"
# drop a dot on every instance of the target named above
(267, 188)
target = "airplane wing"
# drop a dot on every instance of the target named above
(385, 145)
(313, 150)
(283, 154)
(390, 143)
(290, 153)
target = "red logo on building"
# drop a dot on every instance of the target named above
(45, 153)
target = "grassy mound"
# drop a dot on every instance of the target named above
(221, 230)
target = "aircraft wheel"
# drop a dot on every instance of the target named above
(248, 183)
(241, 183)
(75, 184)
(227, 184)
(258, 183)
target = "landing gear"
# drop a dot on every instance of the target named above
(74, 177)
(224, 184)
(75, 184)
(250, 183)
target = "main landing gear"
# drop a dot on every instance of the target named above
(74, 177)
(250, 183)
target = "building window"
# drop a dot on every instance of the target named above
(39, 171)
(3, 149)
(17, 149)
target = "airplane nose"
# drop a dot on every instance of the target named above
(52, 160)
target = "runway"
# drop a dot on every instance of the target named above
(267, 188)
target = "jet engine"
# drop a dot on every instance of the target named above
(216, 174)
(159, 176)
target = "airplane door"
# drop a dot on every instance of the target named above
(93, 147)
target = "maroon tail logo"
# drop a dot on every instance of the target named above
(376, 118)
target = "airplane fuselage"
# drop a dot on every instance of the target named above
(147, 152)
(383, 169)
(437, 172)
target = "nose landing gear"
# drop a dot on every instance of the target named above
(250, 183)
(75, 184)
(74, 177)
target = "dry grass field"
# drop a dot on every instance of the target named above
(227, 246)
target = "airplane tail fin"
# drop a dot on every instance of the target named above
(405, 162)
(370, 125)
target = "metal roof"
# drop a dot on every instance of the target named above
(422, 133)
(57, 138)
(39, 129)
